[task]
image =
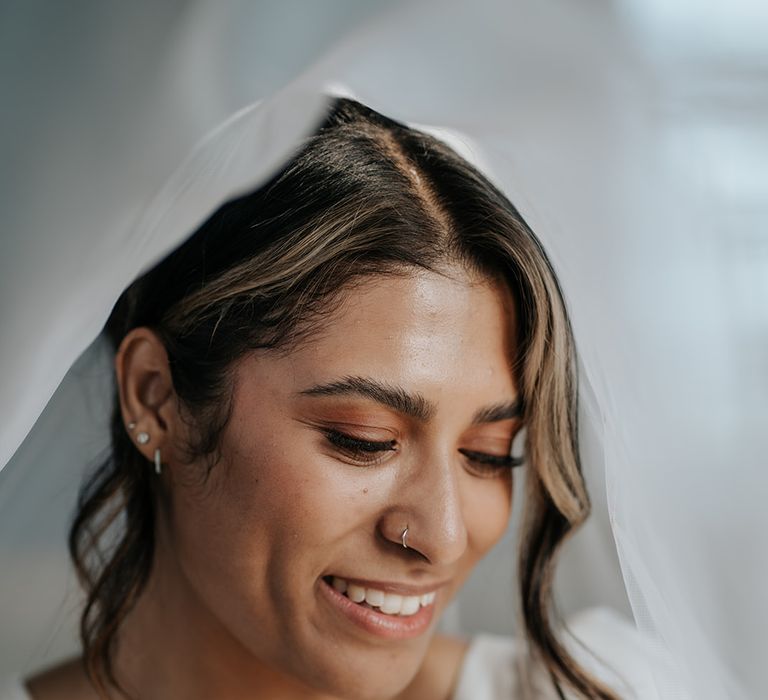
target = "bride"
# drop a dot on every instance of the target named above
(317, 397)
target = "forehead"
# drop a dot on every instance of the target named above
(423, 330)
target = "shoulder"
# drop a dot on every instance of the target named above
(603, 642)
(611, 648)
(65, 681)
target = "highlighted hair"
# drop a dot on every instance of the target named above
(364, 196)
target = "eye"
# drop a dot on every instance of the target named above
(362, 451)
(490, 464)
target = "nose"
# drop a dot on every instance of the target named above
(427, 500)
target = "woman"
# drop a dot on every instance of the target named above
(317, 395)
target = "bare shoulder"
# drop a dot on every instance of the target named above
(65, 681)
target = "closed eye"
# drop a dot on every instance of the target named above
(370, 452)
(492, 461)
(366, 451)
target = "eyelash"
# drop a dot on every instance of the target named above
(370, 452)
(365, 451)
(492, 462)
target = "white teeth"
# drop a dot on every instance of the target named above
(355, 593)
(388, 603)
(392, 603)
(411, 605)
(374, 597)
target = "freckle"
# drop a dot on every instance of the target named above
(365, 490)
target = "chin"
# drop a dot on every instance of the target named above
(367, 674)
(365, 683)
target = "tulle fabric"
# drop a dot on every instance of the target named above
(119, 157)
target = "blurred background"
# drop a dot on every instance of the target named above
(634, 120)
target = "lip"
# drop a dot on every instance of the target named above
(374, 622)
(392, 587)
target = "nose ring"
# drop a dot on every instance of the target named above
(403, 536)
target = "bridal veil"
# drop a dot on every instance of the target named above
(637, 156)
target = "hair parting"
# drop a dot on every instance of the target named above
(364, 196)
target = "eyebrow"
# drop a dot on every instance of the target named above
(499, 411)
(412, 405)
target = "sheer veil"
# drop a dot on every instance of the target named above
(644, 179)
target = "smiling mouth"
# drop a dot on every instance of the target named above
(381, 601)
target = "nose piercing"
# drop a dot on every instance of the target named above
(403, 536)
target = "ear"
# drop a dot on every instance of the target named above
(147, 396)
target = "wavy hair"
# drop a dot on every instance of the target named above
(364, 195)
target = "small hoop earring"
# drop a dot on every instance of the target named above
(142, 438)
(158, 464)
(403, 536)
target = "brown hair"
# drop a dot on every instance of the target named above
(364, 195)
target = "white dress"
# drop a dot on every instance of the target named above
(494, 666)
(613, 651)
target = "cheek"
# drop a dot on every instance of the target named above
(487, 512)
(252, 541)
(269, 505)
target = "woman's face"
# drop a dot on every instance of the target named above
(400, 413)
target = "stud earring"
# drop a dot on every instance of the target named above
(131, 426)
(142, 438)
(158, 464)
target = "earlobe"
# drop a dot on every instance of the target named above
(145, 389)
